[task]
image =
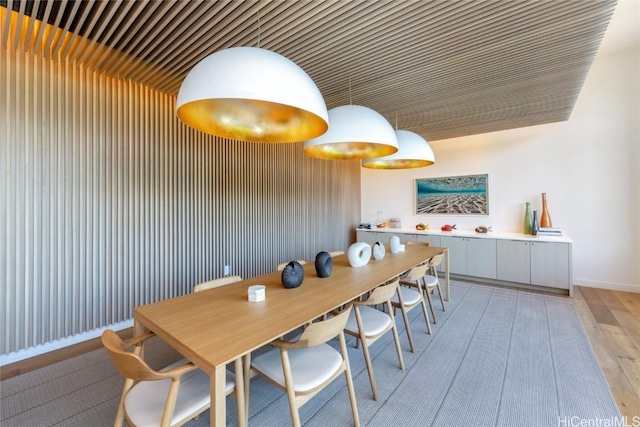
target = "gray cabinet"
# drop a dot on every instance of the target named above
(514, 261)
(481, 257)
(550, 264)
(495, 258)
(535, 262)
(471, 256)
(431, 240)
(457, 253)
(368, 236)
(372, 237)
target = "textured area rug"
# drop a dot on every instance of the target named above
(497, 357)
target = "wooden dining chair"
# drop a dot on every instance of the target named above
(281, 266)
(432, 282)
(168, 397)
(414, 243)
(368, 324)
(216, 282)
(336, 253)
(304, 367)
(241, 363)
(409, 296)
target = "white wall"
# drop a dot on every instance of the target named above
(588, 166)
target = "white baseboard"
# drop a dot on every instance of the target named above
(37, 350)
(606, 285)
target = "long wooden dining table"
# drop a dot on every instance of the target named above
(215, 327)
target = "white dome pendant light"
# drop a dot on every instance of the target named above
(355, 132)
(252, 94)
(414, 152)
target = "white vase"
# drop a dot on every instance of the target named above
(359, 254)
(378, 251)
(394, 244)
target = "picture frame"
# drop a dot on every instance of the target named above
(452, 195)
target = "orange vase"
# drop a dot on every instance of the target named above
(545, 219)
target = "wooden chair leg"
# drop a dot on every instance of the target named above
(241, 395)
(407, 326)
(170, 406)
(396, 338)
(426, 316)
(433, 312)
(246, 374)
(119, 421)
(291, 394)
(441, 299)
(349, 378)
(367, 360)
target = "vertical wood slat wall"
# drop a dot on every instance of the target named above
(107, 201)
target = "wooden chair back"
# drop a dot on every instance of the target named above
(413, 242)
(216, 282)
(128, 363)
(281, 266)
(417, 273)
(381, 294)
(436, 260)
(336, 253)
(321, 332)
(136, 371)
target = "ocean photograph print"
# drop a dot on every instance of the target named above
(453, 195)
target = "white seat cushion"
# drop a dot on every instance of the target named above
(310, 367)
(374, 321)
(145, 402)
(409, 296)
(430, 280)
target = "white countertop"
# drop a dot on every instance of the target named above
(470, 233)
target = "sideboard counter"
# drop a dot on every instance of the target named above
(470, 233)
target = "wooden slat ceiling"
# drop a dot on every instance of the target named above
(444, 69)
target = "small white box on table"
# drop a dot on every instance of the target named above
(256, 293)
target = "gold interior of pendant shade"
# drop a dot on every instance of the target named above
(251, 120)
(349, 150)
(413, 152)
(355, 133)
(252, 94)
(397, 164)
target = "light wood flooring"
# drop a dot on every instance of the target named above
(611, 319)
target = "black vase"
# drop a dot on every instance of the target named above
(292, 275)
(534, 224)
(324, 264)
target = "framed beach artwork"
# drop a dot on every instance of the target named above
(453, 195)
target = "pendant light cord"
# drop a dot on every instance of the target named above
(258, 13)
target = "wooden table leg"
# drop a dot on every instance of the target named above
(446, 273)
(217, 385)
(139, 329)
